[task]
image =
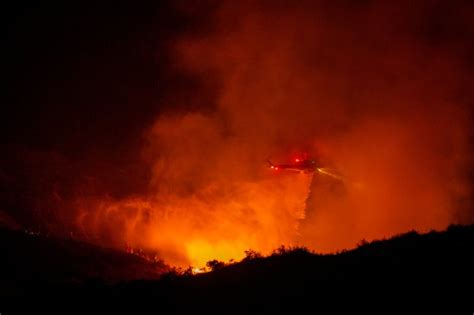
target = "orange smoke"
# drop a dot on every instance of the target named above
(356, 89)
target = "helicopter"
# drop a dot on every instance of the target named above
(298, 165)
(305, 166)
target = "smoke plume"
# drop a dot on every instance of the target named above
(376, 91)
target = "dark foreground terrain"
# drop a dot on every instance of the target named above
(431, 270)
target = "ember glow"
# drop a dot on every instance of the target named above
(358, 89)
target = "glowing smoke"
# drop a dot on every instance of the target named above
(357, 88)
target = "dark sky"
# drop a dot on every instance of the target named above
(83, 81)
(75, 72)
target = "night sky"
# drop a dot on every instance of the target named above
(82, 82)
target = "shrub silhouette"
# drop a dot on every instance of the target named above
(215, 264)
(251, 255)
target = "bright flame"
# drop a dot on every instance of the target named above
(201, 251)
(198, 270)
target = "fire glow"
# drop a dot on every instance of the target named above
(285, 88)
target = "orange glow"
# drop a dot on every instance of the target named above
(198, 270)
(399, 147)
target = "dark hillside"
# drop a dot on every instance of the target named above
(435, 268)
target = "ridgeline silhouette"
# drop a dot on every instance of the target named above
(428, 269)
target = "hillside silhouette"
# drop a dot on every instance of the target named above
(33, 263)
(427, 269)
